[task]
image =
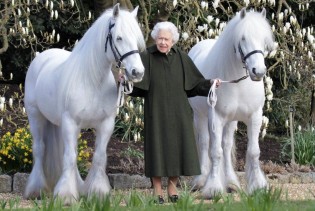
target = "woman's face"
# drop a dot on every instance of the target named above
(164, 41)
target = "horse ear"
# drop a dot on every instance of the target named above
(135, 11)
(116, 10)
(263, 12)
(243, 12)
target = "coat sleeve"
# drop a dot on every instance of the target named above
(195, 83)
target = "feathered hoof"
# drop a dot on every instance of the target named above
(211, 194)
(198, 182)
(67, 198)
(260, 186)
(232, 188)
(32, 195)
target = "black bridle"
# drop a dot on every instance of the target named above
(117, 55)
(244, 57)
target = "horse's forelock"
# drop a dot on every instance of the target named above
(129, 29)
(254, 25)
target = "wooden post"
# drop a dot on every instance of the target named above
(291, 109)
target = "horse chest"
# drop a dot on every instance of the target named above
(242, 101)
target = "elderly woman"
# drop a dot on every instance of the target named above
(170, 78)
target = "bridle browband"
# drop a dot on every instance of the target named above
(118, 57)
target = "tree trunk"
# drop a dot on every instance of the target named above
(312, 113)
(101, 5)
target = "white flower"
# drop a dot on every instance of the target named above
(10, 102)
(280, 17)
(209, 18)
(1, 106)
(131, 105)
(58, 37)
(292, 20)
(71, 3)
(127, 117)
(263, 133)
(11, 76)
(211, 32)
(12, 2)
(265, 121)
(139, 136)
(1, 122)
(270, 96)
(51, 5)
(200, 28)
(135, 137)
(217, 21)
(215, 3)
(90, 15)
(174, 3)
(246, 2)
(56, 14)
(203, 4)
(299, 128)
(185, 35)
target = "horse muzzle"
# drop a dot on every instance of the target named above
(256, 75)
(135, 75)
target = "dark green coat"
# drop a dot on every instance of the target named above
(169, 146)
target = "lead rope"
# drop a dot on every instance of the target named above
(212, 96)
(212, 100)
(125, 87)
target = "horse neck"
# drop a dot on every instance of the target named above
(88, 65)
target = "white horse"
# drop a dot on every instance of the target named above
(67, 91)
(239, 51)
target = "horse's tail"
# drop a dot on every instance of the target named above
(53, 157)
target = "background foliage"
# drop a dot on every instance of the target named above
(31, 26)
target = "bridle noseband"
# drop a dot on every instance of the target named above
(244, 57)
(118, 57)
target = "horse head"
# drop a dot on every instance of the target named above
(125, 41)
(253, 39)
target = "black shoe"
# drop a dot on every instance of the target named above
(160, 200)
(173, 198)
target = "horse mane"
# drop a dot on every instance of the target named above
(87, 62)
(254, 26)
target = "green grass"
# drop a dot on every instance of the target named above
(133, 200)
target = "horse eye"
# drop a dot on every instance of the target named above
(119, 38)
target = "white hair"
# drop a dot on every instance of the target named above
(166, 25)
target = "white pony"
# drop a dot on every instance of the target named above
(239, 51)
(67, 91)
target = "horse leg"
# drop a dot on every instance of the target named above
(215, 181)
(229, 155)
(97, 183)
(67, 186)
(36, 183)
(254, 175)
(203, 141)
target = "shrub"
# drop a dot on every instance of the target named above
(304, 147)
(16, 152)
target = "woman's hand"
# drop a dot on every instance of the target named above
(217, 82)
